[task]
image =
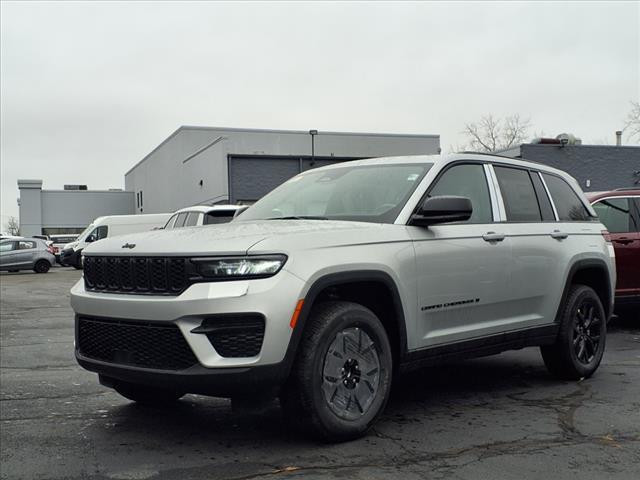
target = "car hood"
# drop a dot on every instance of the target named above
(238, 238)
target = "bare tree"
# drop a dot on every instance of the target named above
(13, 226)
(490, 133)
(632, 124)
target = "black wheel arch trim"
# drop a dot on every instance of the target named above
(341, 278)
(575, 268)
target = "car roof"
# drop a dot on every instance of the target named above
(441, 160)
(209, 208)
(594, 196)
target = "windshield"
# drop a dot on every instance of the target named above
(372, 193)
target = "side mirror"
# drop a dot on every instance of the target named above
(443, 209)
(90, 239)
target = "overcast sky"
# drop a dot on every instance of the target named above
(88, 89)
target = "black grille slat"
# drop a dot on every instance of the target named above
(142, 275)
(141, 344)
(158, 274)
(177, 273)
(111, 273)
(126, 274)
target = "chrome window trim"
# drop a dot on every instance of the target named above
(546, 189)
(500, 213)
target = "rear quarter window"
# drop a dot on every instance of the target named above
(568, 205)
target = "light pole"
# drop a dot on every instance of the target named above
(313, 133)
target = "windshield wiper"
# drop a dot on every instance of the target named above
(299, 217)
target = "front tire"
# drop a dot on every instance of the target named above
(341, 378)
(147, 395)
(41, 266)
(581, 340)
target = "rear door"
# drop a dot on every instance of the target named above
(539, 255)
(619, 215)
(463, 268)
(25, 254)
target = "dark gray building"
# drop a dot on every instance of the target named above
(208, 165)
(596, 167)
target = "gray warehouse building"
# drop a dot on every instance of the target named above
(595, 167)
(207, 165)
(66, 211)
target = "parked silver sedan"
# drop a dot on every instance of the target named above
(26, 254)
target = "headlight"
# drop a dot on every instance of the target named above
(239, 267)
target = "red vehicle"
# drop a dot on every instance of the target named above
(619, 211)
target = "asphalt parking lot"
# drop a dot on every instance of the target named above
(499, 417)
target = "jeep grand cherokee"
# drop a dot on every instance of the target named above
(344, 276)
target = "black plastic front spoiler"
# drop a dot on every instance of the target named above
(216, 382)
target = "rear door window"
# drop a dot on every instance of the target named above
(180, 220)
(636, 202)
(616, 215)
(192, 219)
(26, 245)
(546, 210)
(518, 194)
(467, 181)
(568, 205)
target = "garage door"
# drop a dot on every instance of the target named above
(250, 178)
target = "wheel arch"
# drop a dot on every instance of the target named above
(593, 273)
(385, 302)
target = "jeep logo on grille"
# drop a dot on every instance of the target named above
(129, 245)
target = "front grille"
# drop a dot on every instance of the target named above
(234, 337)
(139, 344)
(139, 275)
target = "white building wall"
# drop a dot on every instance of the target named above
(67, 209)
(78, 208)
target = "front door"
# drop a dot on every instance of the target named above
(8, 253)
(463, 269)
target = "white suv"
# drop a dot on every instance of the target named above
(345, 275)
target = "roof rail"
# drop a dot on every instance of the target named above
(504, 156)
(623, 189)
(491, 154)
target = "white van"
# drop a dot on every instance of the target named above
(111, 226)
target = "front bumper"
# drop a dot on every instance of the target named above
(216, 382)
(69, 257)
(274, 298)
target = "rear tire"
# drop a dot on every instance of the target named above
(41, 266)
(147, 395)
(581, 340)
(341, 379)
